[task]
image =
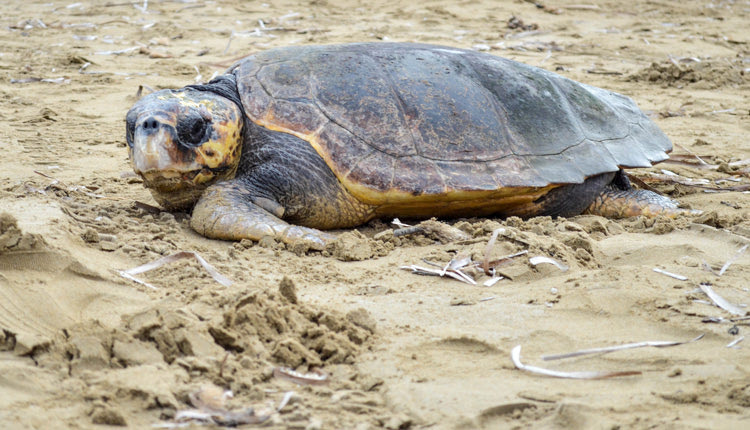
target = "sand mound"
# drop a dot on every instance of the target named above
(700, 75)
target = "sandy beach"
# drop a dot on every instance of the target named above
(83, 347)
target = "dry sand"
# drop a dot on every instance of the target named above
(83, 347)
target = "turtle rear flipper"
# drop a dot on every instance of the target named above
(616, 203)
(620, 200)
(225, 211)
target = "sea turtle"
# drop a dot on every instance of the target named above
(295, 140)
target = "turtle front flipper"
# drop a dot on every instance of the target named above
(226, 211)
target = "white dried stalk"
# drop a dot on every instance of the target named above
(192, 414)
(608, 349)
(400, 224)
(515, 356)
(580, 7)
(488, 248)
(492, 281)
(721, 301)
(118, 52)
(455, 274)
(126, 275)
(704, 302)
(733, 343)
(670, 274)
(299, 378)
(539, 259)
(708, 268)
(171, 425)
(459, 263)
(218, 277)
(285, 400)
(734, 258)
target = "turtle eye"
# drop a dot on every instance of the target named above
(191, 129)
(129, 132)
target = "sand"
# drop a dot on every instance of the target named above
(83, 347)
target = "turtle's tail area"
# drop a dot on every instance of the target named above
(614, 202)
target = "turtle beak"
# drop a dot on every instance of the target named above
(152, 141)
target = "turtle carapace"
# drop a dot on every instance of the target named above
(300, 139)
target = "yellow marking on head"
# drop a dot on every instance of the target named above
(222, 151)
(189, 101)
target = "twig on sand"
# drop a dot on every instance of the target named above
(694, 155)
(405, 231)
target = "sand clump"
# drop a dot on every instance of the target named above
(699, 74)
(154, 359)
(12, 239)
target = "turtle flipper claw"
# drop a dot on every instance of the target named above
(313, 238)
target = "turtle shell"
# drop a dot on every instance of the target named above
(411, 121)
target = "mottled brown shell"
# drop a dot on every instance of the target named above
(424, 121)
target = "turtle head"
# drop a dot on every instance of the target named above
(182, 141)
